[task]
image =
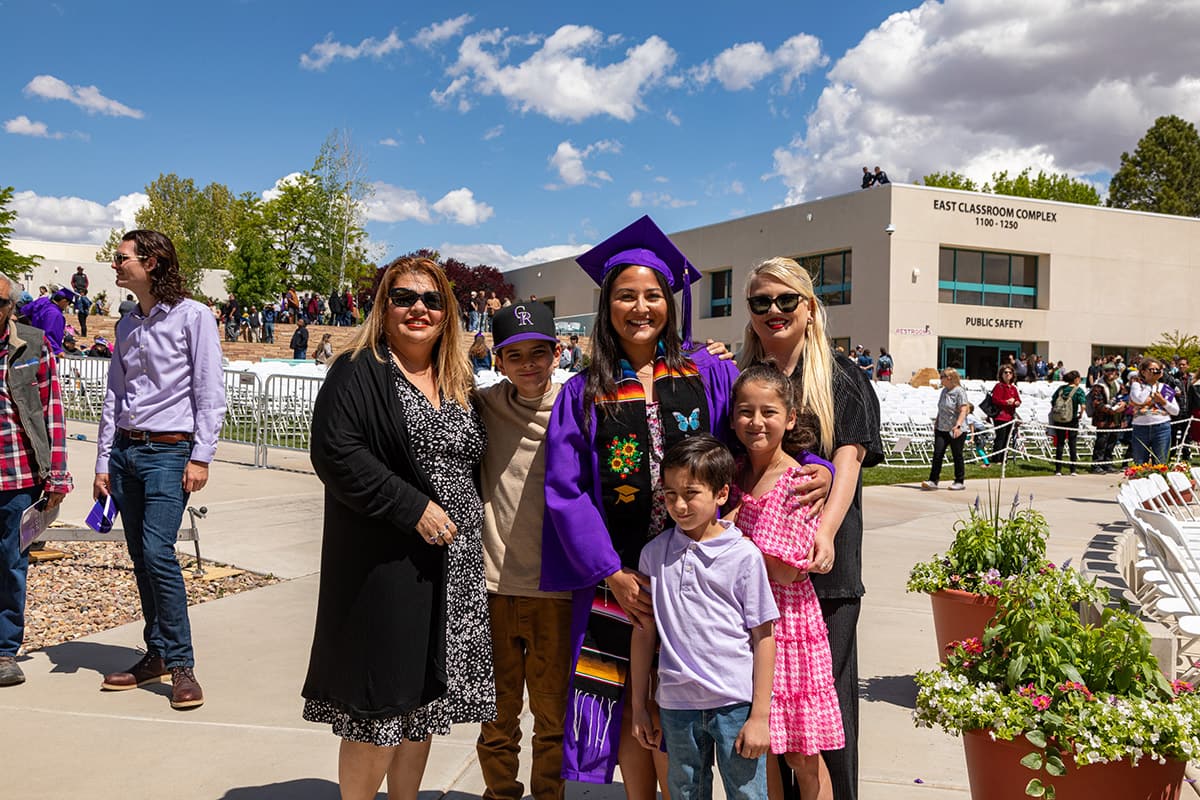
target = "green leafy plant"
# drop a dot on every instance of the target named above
(989, 548)
(1077, 693)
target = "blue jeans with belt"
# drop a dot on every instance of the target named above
(13, 567)
(147, 485)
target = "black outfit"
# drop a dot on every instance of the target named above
(299, 344)
(868, 180)
(856, 422)
(402, 647)
(881, 177)
(942, 439)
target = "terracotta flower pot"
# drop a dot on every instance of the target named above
(959, 615)
(995, 773)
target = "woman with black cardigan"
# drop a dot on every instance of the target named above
(402, 648)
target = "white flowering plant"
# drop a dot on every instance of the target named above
(989, 548)
(1076, 693)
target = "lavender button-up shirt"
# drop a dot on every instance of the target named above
(165, 377)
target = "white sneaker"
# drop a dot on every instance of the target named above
(929, 486)
(957, 487)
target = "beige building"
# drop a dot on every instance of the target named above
(941, 277)
(60, 260)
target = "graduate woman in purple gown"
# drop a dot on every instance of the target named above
(643, 392)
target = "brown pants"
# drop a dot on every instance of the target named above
(530, 648)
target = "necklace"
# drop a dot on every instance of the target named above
(769, 469)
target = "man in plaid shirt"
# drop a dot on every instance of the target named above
(33, 461)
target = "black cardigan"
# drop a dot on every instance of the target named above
(379, 646)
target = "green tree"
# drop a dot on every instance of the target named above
(12, 263)
(1169, 345)
(199, 221)
(254, 273)
(105, 254)
(1163, 174)
(949, 180)
(1046, 186)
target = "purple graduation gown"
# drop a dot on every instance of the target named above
(577, 552)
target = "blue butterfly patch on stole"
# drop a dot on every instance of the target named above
(691, 422)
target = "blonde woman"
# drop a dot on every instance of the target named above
(402, 648)
(949, 429)
(787, 326)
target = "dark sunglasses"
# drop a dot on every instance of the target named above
(5, 302)
(406, 298)
(1154, 371)
(761, 303)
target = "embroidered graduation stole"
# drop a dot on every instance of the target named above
(623, 441)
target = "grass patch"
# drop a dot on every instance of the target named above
(915, 473)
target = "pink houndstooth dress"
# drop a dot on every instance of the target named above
(804, 705)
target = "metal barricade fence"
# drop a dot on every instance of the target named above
(271, 413)
(83, 382)
(286, 407)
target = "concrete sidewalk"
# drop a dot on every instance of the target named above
(248, 741)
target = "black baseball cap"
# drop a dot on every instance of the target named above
(521, 322)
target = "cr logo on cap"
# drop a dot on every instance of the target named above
(523, 316)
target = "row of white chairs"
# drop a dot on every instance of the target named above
(1165, 516)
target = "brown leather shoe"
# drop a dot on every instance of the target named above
(10, 672)
(185, 691)
(150, 669)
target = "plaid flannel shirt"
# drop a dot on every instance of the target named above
(16, 467)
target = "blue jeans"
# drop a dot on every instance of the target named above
(269, 332)
(13, 566)
(691, 738)
(1151, 442)
(147, 485)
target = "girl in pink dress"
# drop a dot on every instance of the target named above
(804, 708)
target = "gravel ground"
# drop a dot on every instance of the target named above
(93, 590)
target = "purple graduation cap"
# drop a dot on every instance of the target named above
(64, 294)
(643, 243)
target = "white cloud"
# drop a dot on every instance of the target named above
(461, 206)
(742, 66)
(971, 86)
(441, 31)
(661, 179)
(557, 80)
(640, 199)
(389, 142)
(673, 118)
(277, 189)
(88, 98)
(24, 126)
(494, 255)
(326, 51)
(737, 187)
(492, 133)
(391, 203)
(568, 162)
(72, 219)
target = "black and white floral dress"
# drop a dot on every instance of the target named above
(448, 444)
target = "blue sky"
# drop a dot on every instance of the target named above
(509, 133)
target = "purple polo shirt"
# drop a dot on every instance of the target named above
(165, 377)
(707, 596)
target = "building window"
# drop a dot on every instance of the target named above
(830, 276)
(1110, 352)
(721, 304)
(978, 278)
(841, 344)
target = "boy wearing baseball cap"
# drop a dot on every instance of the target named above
(530, 628)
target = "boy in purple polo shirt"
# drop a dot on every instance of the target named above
(713, 613)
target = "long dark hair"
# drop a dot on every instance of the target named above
(166, 281)
(605, 367)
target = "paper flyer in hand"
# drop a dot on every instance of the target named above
(35, 520)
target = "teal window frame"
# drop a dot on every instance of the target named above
(830, 293)
(722, 280)
(976, 261)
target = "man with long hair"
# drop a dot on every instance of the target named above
(158, 432)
